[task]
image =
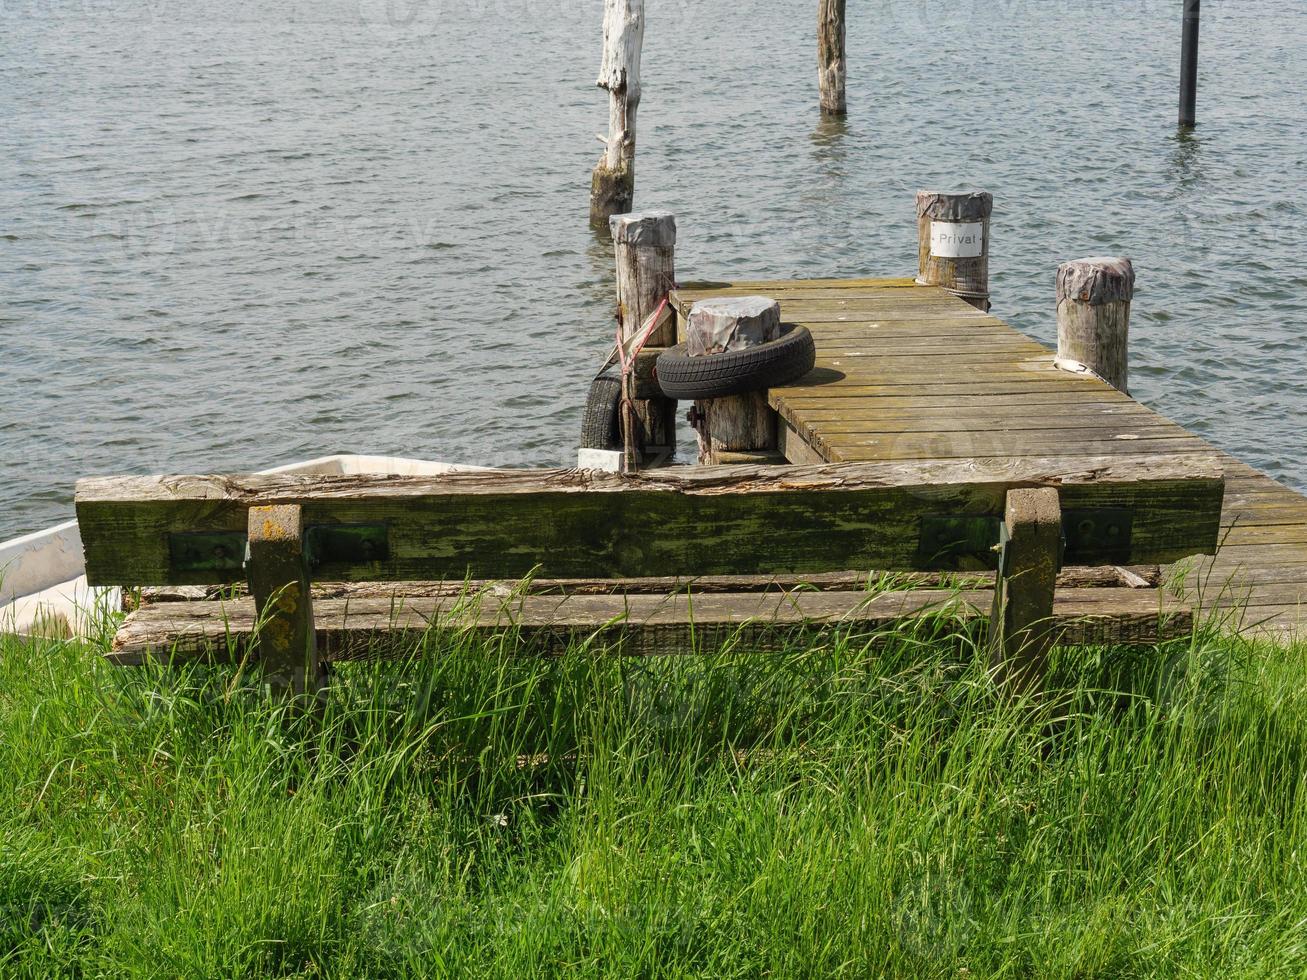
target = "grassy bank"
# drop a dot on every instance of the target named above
(846, 810)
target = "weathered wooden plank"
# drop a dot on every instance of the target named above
(911, 447)
(928, 411)
(715, 287)
(696, 521)
(795, 444)
(964, 402)
(371, 628)
(845, 387)
(1106, 425)
(1071, 577)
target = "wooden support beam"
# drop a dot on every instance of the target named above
(670, 521)
(644, 246)
(1093, 318)
(736, 423)
(279, 582)
(1021, 624)
(355, 628)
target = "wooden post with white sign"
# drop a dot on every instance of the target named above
(953, 243)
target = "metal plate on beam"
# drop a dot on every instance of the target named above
(206, 551)
(346, 544)
(966, 543)
(1099, 536)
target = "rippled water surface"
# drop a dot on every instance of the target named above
(234, 234)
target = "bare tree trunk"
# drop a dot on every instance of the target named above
(830, 56)
(612, 186)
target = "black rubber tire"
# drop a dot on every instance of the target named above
(600, 423)
(777, 362)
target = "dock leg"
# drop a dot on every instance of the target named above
(1020, 627)
(644, 245)
(279, 581)
(742, 427)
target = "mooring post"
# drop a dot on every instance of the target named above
(831, 61)
(279, 581)
(737, 428)
(645, 246)
(1093, 318)
(612, 185)
(1189, 66)
(953, 243)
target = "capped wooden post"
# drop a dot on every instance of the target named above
(279, 581)
(953, 243)
(1093, 318)
(1020, 626)
(831, 61)
(736, 428)
(645, 247)
(612, 185)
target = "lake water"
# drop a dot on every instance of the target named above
(239, 233)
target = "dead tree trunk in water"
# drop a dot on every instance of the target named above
(830, 56)
(612, 186)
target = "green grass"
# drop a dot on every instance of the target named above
(853, 809)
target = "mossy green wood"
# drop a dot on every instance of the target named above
(734, 520)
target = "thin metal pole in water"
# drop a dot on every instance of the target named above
(1189, 66)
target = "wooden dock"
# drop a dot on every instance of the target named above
(908, 372)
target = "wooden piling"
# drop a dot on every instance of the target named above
(1189, 66)
(831, 59)
(737, 428)
(1020, 624)
(1093, 318)
(953, 243)
(644, 244)
(279, 581)
(612, 185)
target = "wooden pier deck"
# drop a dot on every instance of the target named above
(908, 372)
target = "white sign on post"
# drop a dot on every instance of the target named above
(957, 240)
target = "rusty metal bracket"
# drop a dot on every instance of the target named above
(1097, 535)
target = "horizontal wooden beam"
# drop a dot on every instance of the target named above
(727, 520)
(1075, 577)
(362, 628)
